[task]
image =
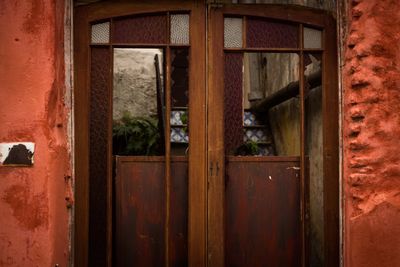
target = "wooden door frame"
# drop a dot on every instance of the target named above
(83, 17)
(330, 106)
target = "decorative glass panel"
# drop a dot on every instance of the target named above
(98, 160)
(180, 29)
(233, 32)
(264, 33)
(150, 29)
(179, 77)
(233, 101)
(101, 33)
(312, 38)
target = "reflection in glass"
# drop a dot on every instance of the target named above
(138, 101)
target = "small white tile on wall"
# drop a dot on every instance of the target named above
(17, 154)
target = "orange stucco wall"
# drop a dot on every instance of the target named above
(372, 134)
(34, 217)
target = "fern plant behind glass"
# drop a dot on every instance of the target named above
(136, 136)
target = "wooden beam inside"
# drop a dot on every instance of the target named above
(289, 91)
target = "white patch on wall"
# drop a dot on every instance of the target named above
(17, 154)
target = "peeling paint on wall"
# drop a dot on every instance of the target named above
(31, 210)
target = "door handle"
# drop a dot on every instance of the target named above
(212, 169)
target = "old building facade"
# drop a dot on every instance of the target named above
(39, 219)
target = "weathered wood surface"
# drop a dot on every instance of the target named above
(285, 93)
(140, 212)
(262, 202)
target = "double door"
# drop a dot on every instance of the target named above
(194, 132)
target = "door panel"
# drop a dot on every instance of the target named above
(276, 39)
(178, 252)
(140, 212)
(262, 200)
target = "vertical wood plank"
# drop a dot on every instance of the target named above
(215, 133)
(330, 110)
(140, 213)
(197, 138)
(178, 246)
(167, 149)
(110, 157)
(302, 150)
(81, 134)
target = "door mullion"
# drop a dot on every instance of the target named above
(215, 132)
(167, 151)
(197, 195)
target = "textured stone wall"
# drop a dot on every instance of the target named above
(34, 201)
(371, 97)
(135, 85)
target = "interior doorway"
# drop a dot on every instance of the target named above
(202, 131)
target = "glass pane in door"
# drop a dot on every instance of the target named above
(138, 91)
(261, 104)
(179, 101)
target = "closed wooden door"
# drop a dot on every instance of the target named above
(272, 107)
(191, 132)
